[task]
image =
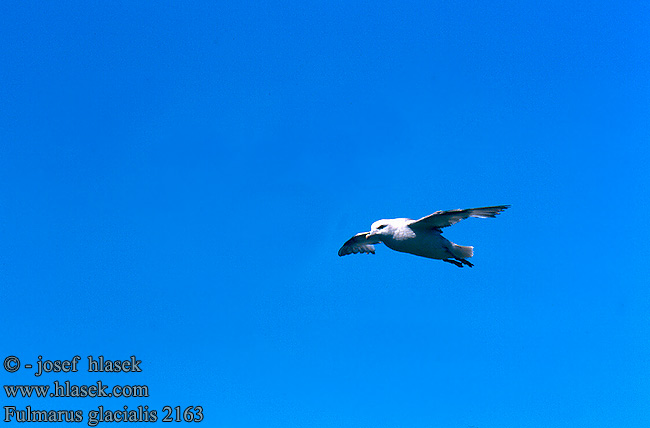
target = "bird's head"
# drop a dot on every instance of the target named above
(380, 228)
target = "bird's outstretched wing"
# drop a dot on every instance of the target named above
(447, 218)
(358, 244)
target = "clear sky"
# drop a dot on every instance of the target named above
(177, 177)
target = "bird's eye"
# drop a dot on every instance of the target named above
(381, 226)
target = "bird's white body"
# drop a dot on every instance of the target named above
(429, 243)
(422, 237)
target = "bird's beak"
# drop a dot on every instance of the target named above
(369, 235)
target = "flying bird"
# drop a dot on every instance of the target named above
(422, 237)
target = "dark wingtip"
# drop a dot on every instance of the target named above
(500, 208)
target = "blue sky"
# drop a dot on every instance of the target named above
(177, 179)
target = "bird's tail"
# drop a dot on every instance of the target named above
(461, 251)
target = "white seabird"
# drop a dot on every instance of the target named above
(422, 237)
